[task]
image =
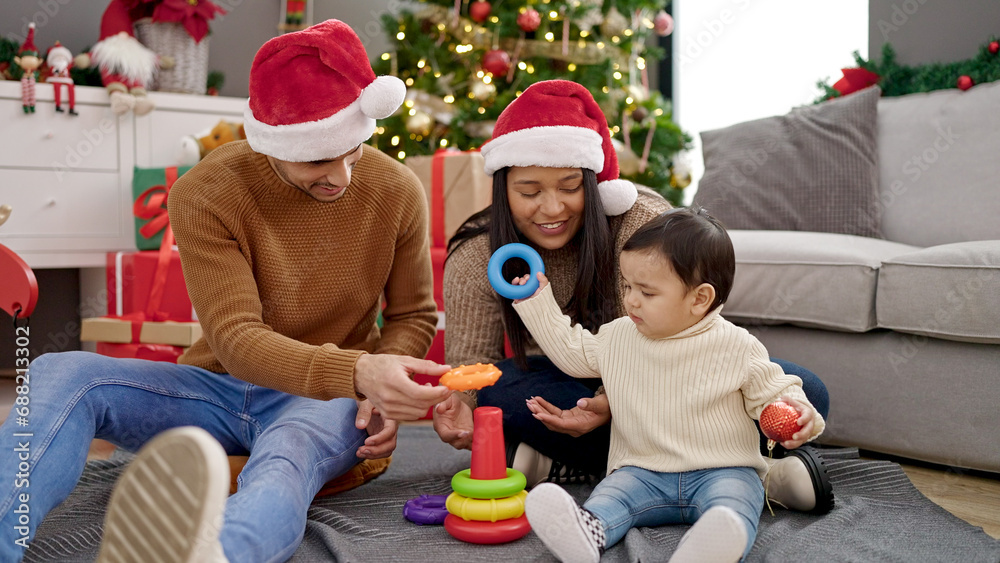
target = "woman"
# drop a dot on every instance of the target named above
(556, 188)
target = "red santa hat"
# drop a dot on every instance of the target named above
(314, 95)
(58, 53)
(28, 49)
(557, 124)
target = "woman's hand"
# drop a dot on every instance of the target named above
(381, 439)
(453, 421)
(542, 282)
(805, 421)
(587, 415)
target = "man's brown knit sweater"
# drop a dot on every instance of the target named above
(288, 288)
(475, 331)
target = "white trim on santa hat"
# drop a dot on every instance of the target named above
(322, 139)
(554, 146)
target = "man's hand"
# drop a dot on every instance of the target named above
(453, 422)
(384, 380)
(805, 421)
(381, 439)
(587, 415)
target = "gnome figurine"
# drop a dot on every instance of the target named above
(29, 61)
(126, 65)
(60, 59)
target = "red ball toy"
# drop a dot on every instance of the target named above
(965, 82)
(496, 62)
(479, 11)
(994, 47)
(779, 421)
(529, 20)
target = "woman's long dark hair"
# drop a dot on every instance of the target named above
(594, 300)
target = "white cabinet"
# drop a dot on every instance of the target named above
(69, 178)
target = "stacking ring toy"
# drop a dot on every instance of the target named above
(475, 376)
(495, 274)
(465, 485)
(473, 531)
(486, 510)
(426, 509)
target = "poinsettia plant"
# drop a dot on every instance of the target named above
(194, 15)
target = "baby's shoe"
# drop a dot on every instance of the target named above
(719, 536)
(571, 533)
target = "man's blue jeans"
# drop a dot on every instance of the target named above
(295, 444)
(632, 497)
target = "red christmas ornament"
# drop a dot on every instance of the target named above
(663, 24)
(994, 47)
(479, 11)
(965, 82)
(529, 20)
(779, 421)
(496, 62)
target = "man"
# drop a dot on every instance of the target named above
(289, 242)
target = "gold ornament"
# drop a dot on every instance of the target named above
(482, 91)
(628, 161)
(614, 23)
(419, 124)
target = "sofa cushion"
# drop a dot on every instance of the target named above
(938, 164)
(813, 169)
(951, 291)
(820, 280)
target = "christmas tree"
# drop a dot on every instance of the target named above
(464, 61)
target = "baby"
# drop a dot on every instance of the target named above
(684, 387)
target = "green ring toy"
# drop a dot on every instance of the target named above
(463, 484)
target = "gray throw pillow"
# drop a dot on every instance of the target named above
(814, 169)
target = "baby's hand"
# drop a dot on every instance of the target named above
(542, 282)
(805, 421)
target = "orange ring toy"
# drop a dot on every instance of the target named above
(477, 376)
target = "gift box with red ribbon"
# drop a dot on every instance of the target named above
(150, 187)
(132, 278)
(456, 187)
(155, 352)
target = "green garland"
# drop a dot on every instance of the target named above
(898, 80)
(427, 57)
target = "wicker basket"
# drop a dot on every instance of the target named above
(190, 72)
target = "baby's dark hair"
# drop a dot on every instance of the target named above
(695, 244)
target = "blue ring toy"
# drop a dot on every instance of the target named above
(494, 272)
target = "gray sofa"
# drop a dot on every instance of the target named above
(904, 329)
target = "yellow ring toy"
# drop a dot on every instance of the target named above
(464, 378)
(463, 484)
(486, 510)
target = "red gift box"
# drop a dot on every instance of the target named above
(155, 352)
(130, 282)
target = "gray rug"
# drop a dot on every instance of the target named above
(879, 516)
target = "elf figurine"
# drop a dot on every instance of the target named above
(59, 59)
(29, 61)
